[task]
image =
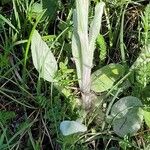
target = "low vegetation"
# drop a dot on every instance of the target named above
(74, 75)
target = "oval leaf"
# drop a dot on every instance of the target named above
(43, 59)
(71, 127)
(104, 78)
(127, 116)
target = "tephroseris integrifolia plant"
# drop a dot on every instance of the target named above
(83, 45)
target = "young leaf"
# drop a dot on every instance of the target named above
(43, 59)
(127, 117)
(95, 26)
(71, 127)
(82, 7)
(76, 48)
(104, 78)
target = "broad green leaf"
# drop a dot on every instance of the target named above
(146, 115)
(104, 78)
(127, 118)
(43, 59)
(71, 127)
(95, 27)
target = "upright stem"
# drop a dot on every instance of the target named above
(86, 84)
(82, 7)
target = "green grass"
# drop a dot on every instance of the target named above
(31, 109)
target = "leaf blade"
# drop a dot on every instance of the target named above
(104, 78)
(127, 116)
(43, 59)
(146, 115)
(95, 26)
(76, 48)
(72, 127)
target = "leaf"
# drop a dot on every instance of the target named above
(2, 137)
(43, 59)
(82, 7)
(2, 18)
(37, 7)
(104, 78)
(6, 116)
(71, 127)
(51, 7)
(76, 48)
(127, 117)
(146, 115)
(102, 47)
(95, 26)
